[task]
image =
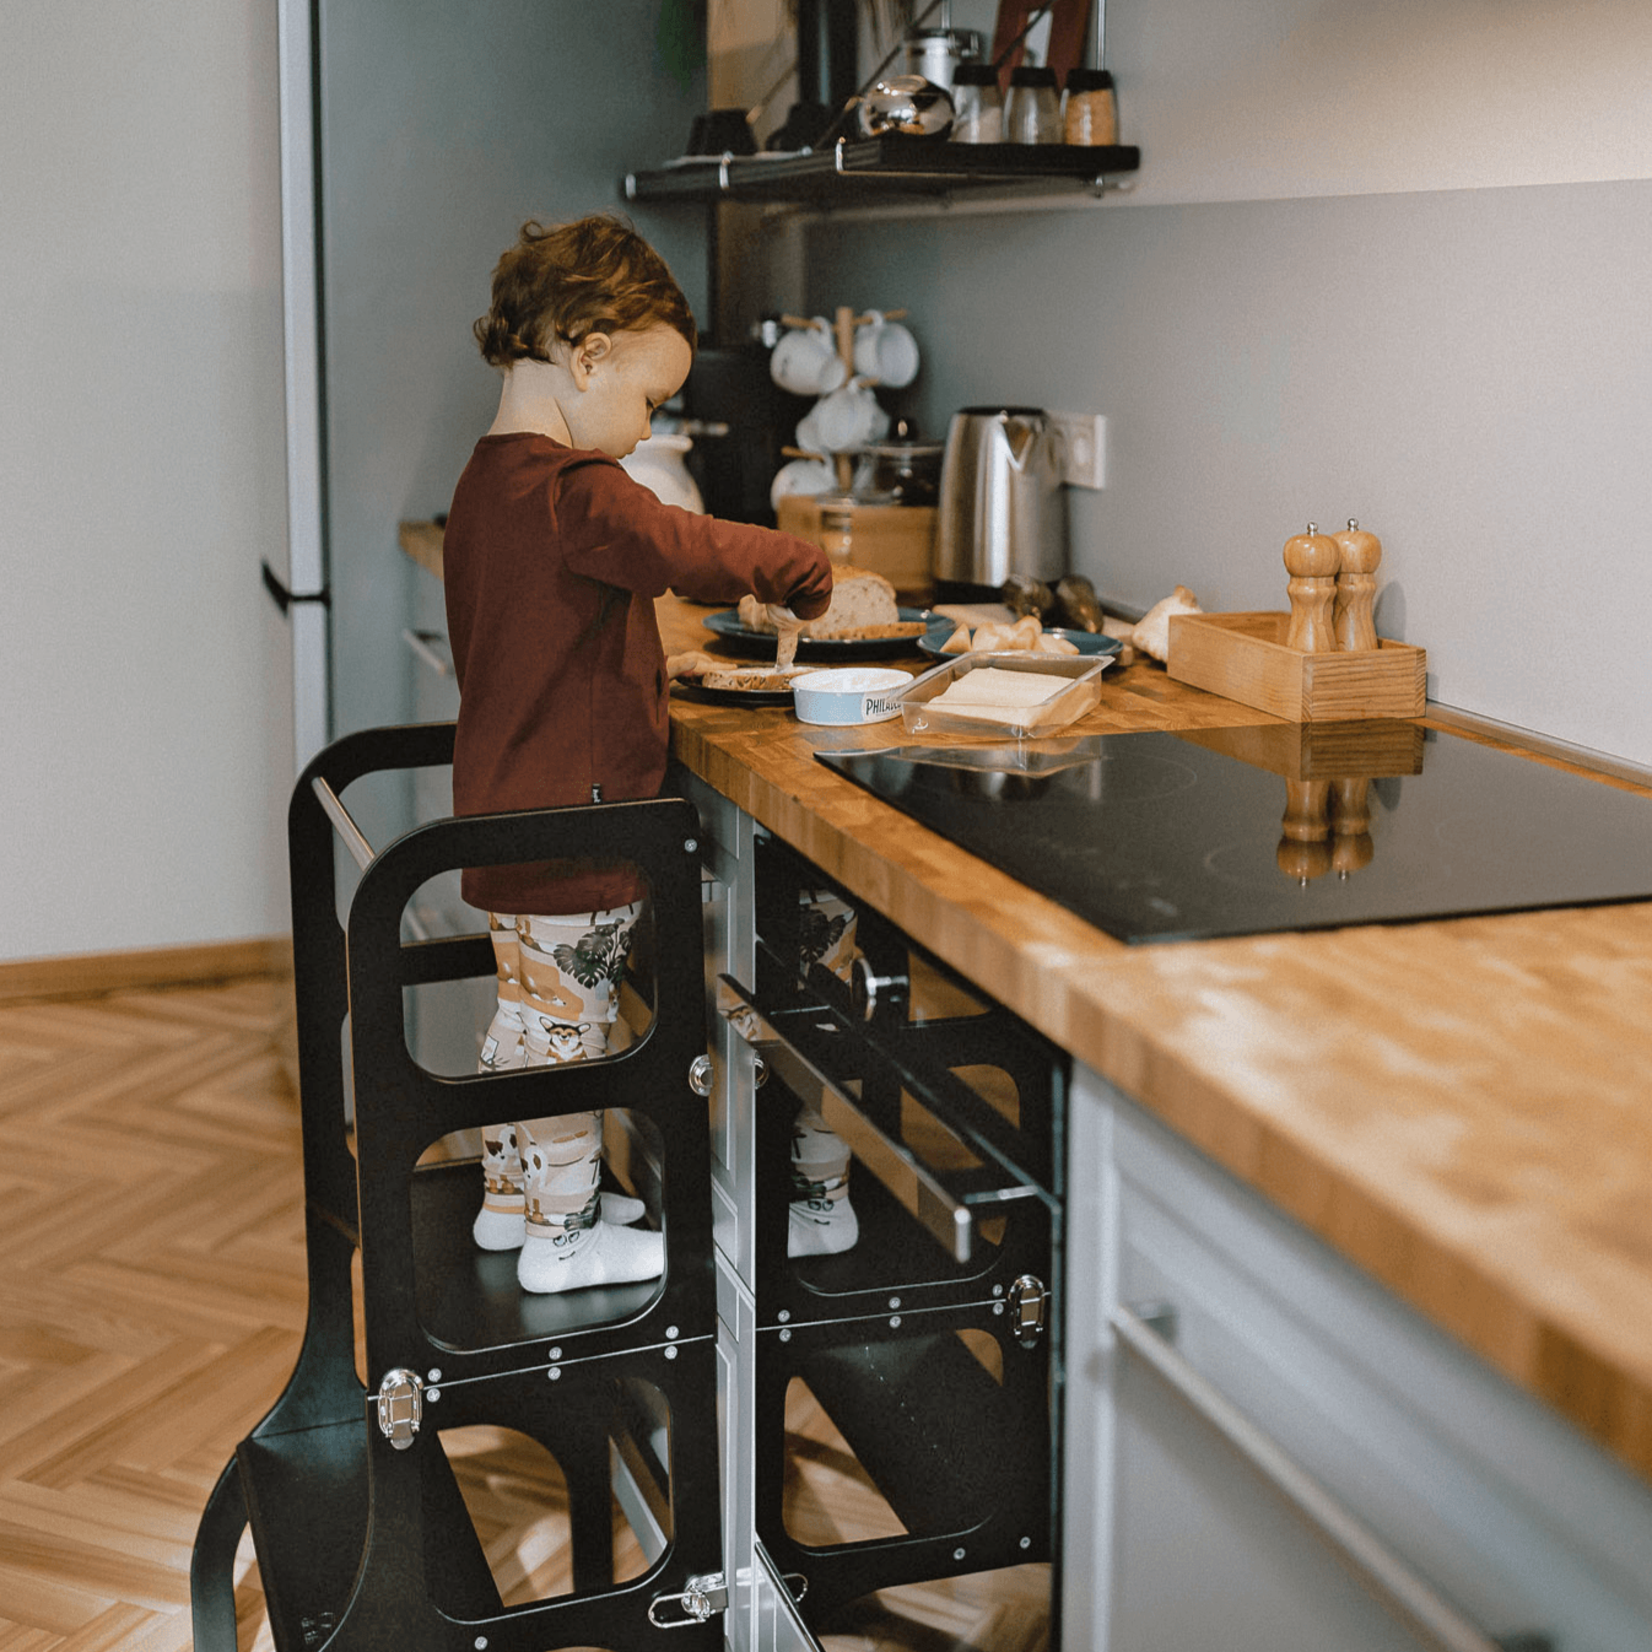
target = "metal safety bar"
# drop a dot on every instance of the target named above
(361, 851)
(949, 1215)
(1398, 1583)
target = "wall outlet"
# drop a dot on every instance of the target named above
(1081, 448)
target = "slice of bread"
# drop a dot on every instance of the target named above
(860, 599)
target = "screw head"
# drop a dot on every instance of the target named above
(785, 1336)
(555, 1353)
(784, 1315)
(671, 1353)
(894, 1321)
(691, 845)
(434, 1374)
(957, 1554)
(894, 1302)
(555, 1373)
(432, 1395)
(671, 1333)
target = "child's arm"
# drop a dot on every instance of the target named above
(620, 533)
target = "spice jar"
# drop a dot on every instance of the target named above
(1089, 109)
(977, 104)
(1032, 112)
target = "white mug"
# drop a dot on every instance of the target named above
(801, 477)
(805, 360)
(886, 351)
(848, 418)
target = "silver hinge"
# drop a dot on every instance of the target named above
(703, 1596)
(401, 1407)
(1029, 1303)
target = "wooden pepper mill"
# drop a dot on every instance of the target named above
(1358, 556)
(1304, 851)
(1312, 559)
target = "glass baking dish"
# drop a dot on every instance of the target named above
(1075, 688)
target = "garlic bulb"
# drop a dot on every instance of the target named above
(1152, 633)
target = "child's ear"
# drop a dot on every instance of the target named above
(592, 349)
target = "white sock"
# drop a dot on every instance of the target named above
(820, 1219)
(568, 1243)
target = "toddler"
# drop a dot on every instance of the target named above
(552, 559)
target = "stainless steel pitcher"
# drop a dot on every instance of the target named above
(1001, 510)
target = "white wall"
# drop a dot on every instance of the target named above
(144, 751)
(1381, 261)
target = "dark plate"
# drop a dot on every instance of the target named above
(753, 697)
(760, 644)
(1087, 642)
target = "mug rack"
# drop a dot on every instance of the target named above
(845, 322)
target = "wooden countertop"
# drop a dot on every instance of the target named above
(1462, 1108)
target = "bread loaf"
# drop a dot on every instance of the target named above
(859, 600)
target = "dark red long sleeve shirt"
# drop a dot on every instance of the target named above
(551, 560)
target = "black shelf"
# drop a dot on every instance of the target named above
(883, 168)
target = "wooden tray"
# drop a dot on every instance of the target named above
(1243, 657)
(1362, 748)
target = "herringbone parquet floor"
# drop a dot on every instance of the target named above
(151, 1296)
(151, 1306)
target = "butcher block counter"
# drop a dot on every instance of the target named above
(1461, 1108)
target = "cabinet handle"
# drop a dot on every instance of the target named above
(1411, 1596)
(423, 644)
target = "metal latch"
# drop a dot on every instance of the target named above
(401, 1407)
(704, 1595)
(702, 1075)
(1029, 1302)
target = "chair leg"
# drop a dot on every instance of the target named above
(212, 1565)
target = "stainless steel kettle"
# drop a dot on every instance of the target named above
(1001, 510)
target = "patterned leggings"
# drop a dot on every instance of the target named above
(558, 1001)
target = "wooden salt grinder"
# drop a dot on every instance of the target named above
(1312, 559)
(1351, 845)
(1358, 556)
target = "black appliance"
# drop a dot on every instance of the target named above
(738, 420)
(1158, 837)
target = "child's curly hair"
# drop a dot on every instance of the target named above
(564, 281)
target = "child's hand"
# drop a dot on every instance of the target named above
(790, 628)
(691, 664)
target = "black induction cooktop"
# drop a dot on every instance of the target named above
(1162, 837)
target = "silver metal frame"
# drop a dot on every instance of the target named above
(306, 572)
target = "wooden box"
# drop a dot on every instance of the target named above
(1243, 657)
(1361, 748)
(897, 541)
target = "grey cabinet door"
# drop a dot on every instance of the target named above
(1271, 1452)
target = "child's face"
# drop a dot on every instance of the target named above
(621, 377)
